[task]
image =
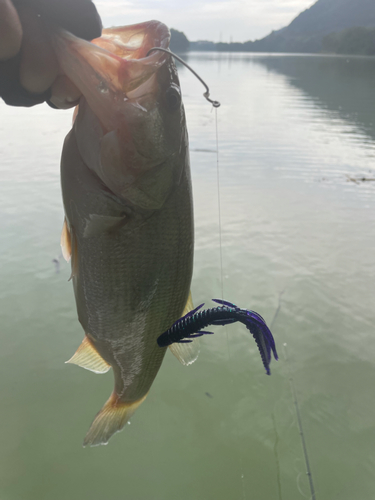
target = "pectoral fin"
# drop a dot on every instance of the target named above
(88, 357)
(99, 224)
(186, 353)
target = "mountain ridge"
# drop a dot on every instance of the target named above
(307, 32)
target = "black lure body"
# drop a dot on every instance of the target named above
(190, 326)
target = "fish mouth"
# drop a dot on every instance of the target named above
(114, 68)
(135, 41)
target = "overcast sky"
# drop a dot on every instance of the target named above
(207, 20)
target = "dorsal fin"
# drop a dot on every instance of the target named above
(186, 353)
(88, 357)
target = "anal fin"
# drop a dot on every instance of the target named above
(88, 357)
(186, 353)
(189, 305)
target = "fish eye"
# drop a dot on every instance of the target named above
(173, 98)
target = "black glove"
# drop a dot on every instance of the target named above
(80, 17)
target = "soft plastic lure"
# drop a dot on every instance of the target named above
(190, 326)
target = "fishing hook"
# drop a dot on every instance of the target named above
(215, 104)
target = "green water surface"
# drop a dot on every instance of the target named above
(297, 200)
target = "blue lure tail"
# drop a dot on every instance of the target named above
(191, 325)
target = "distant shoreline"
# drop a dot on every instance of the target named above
(273, 53)
(351, 41)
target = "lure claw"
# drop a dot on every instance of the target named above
(224, 302)
(193, 311)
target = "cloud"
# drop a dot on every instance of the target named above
(211, 20)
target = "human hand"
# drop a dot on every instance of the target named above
(29, 71)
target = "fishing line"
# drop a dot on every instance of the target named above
(277, 310)
(298, 413)
(300, 427)
(219, 204)
(276, 445)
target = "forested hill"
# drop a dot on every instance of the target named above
(308, 31)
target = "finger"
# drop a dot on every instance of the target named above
(38, 67)
(64, 94)
(80, 17)
(10, 30)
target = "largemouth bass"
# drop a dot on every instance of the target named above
(127, 197)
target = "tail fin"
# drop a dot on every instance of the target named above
(110, 419)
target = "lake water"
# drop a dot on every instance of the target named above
(297, 199)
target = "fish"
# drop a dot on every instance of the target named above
(127, 196)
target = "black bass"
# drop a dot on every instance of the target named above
(127, 197)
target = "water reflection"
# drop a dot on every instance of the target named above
(344, 85)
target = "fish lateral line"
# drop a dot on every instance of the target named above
(191, 326)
